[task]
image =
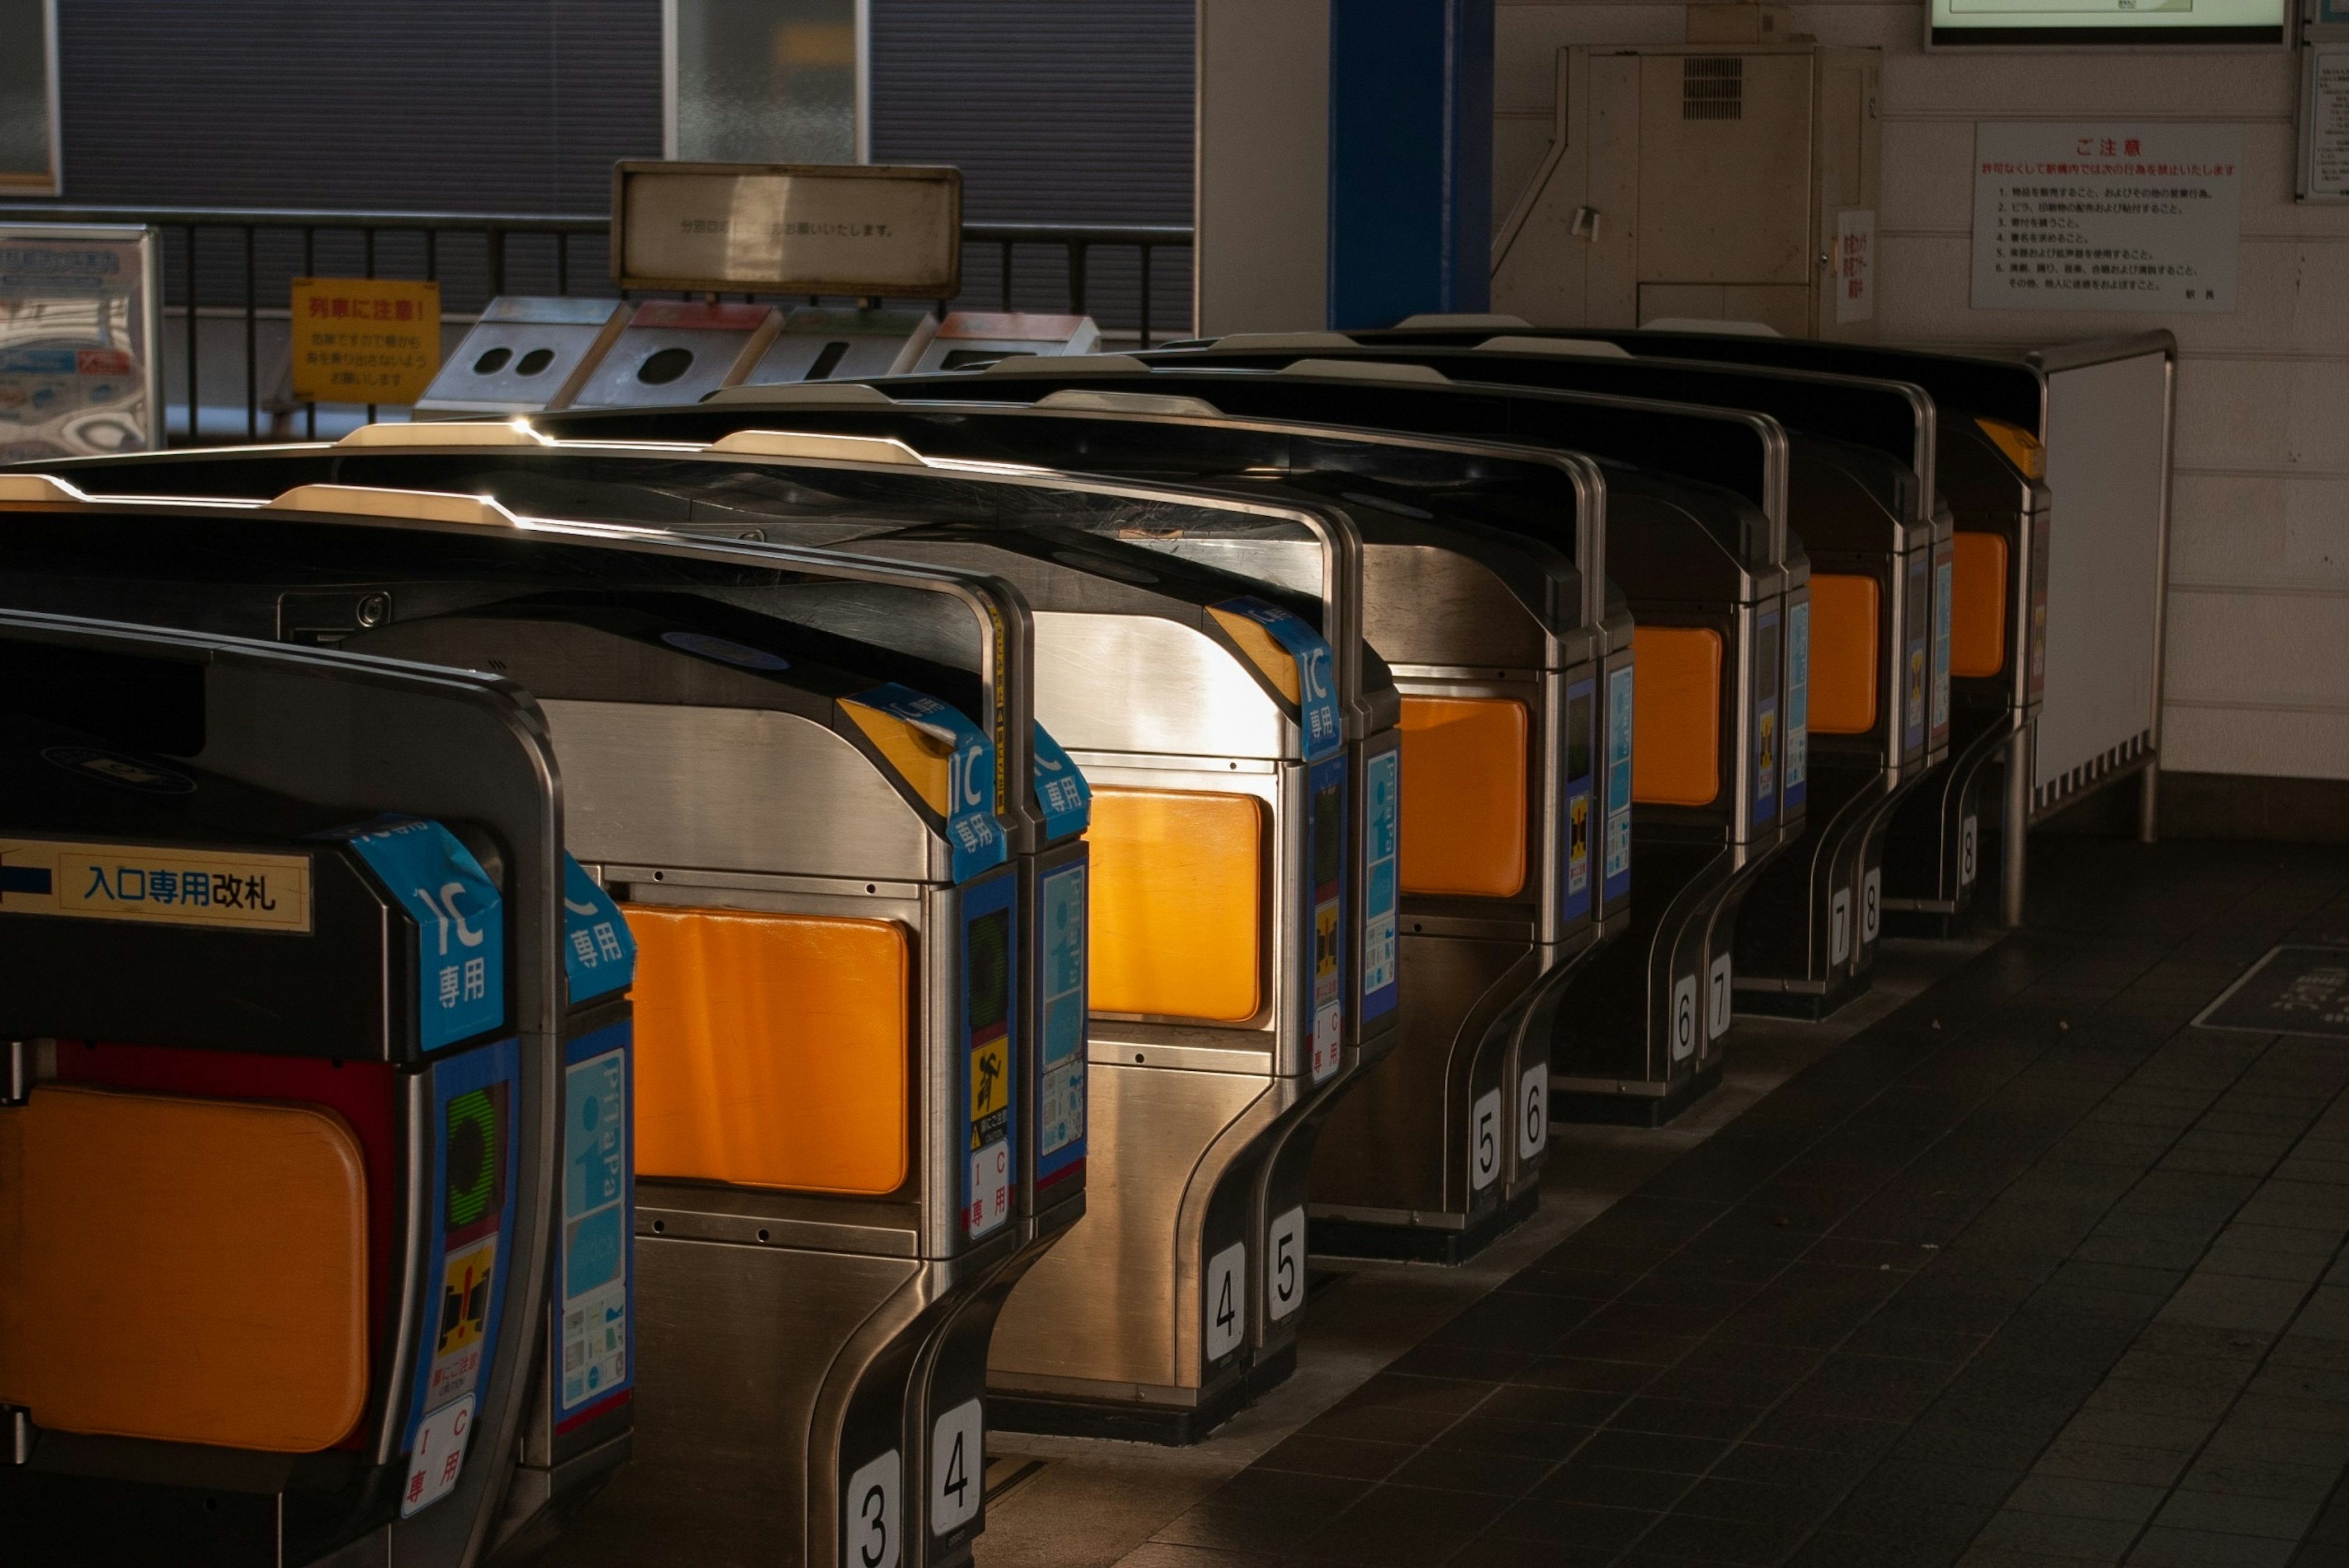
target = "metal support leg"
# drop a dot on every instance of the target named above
(2148, 804)
(2015, 838)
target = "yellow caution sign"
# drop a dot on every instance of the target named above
(365, 340)
(991, 1078)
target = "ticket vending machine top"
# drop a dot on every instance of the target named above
(525, 354)
(1991, 463)
(1862, 493)
(1697, 540)
(980, 338)
(675, 351)
(1211, 715)
(821, 344)
(267, 1015)
(1484, 588)
(824, 1234)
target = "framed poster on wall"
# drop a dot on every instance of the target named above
(80, 341)
(2323, 162)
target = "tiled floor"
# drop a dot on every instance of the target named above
(2030, 1272)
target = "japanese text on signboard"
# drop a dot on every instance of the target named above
(365, 340)
(2088, 217)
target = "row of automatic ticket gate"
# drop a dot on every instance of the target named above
(627, 984)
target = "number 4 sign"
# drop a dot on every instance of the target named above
(957, 1468)
(1226, 1301)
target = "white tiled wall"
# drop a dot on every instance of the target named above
(2258, 679)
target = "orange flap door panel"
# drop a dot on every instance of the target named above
(1676, 728)
(1978, 605)
(772, 1048)
(1843, 644)
(188, 1271)
(1177, 895)
(1463, 795)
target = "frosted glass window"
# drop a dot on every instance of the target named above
(29, 97)
(766, 81)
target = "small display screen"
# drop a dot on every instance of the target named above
(1578, 737)
(476, 1158)
(2044, 22)
(1329, 835)
(1766, 660)
(988, 955)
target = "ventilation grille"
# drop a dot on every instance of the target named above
(1713, 88)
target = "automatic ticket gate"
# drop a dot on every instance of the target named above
(675, 351)
(525, 354)
(1486, 593)
(970, 337)
(1225, 737)
(829, 1098)
(822, 343)
(1698, 542)
(1234, 899)
(1990, 466)
(290, 1129)
(1862, 493)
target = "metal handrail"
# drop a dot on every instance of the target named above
(1169, 234)
(1077, 240)
(308, 217)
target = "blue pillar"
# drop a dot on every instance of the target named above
(1411, 159)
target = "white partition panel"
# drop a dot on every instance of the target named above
(2107, 427)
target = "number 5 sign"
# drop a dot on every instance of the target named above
(1485, 1140)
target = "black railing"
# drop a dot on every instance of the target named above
(232, 267)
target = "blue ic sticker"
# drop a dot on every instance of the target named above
(1796, 767)
(592, 1340)
(1915, 678)
(599, 956)
(468, 1249)
(461, 929)
(1616, 871)
(1767, 740)
(1325, 881)
(1942, 566)
(1060, 790)
(1381, 862)
(1316, 671)
(1581, 805)
(991, 1066)
(973, 836)
(1061, 916)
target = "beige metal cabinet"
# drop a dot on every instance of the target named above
(1715, 181)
